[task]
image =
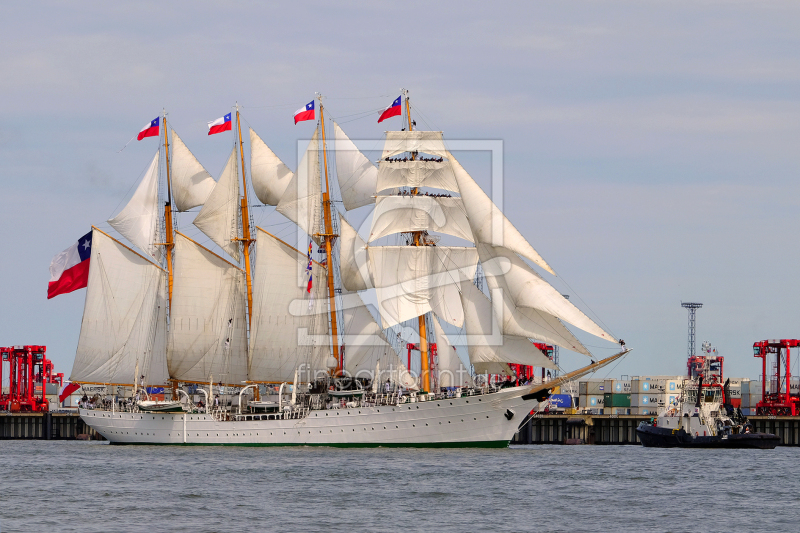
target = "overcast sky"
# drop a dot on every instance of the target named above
(650, 148)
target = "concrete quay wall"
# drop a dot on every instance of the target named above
(45, 426)
(621, 429)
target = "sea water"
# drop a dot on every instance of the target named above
(89, 486)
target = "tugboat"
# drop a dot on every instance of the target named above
(701, 420)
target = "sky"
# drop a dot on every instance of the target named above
(649, 148)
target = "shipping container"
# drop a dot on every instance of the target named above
(561, 401)
(647, 400)
(617, 386)
(616, 400)
(592, 387)
(571, 388)
(646, 386)
(591, 401)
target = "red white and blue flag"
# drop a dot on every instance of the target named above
(392, 111)
(304, 113)
(151, 130)
(220, 125)
(308, 268)
(69, 270)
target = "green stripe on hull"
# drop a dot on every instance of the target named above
(475, 444)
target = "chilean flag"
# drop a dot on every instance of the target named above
(304, 113)
(69, 270)
(220, 125)
(392, 111)
(151, 130)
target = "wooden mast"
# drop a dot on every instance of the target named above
(423, 333)
(246, 240)
(170, 243)
(329, 236)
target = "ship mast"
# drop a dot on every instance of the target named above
(423, 334)
(329, 237)
(170, 243)
(246, 239)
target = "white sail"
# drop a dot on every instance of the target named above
(191, 183)
(398, 214)
(220, 216)
(290, 325)
(270, 176)
(428, 142)
(123, 318)
(489, 225)
(412, 280)
(492, 368)
(452, 372)
(488, 342)
(138, 220)
(357, 175)
(533, 323)
(364, 341)
(207, 335)
(301, 200)
(417, 173)
(527, 289)
(353, 261)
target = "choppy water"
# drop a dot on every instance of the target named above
(80, 486)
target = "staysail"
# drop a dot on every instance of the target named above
(220, 216)
(269, 175)
(489, 224)
(191, 183)
(123, 318)
(353, 260)
(138, 220)
(357, 175)
(527, 289)
(302, 198)
(452, 372)
(489, 340)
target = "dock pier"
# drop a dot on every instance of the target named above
(45, 426)
(621, 429)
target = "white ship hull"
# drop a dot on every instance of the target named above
(467, 421)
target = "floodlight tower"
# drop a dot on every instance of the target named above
(692, 307)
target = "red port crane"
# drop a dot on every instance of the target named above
(779, 400)
(29, 369)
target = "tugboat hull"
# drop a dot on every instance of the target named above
(658, 437)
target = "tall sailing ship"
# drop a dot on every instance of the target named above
(289, 338)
